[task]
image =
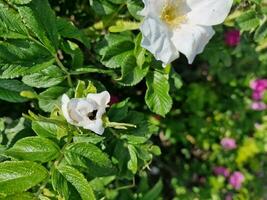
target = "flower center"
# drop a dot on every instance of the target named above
(173, 13)
(92, 115)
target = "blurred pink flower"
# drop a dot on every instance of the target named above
(232, 37)
(114, 99)
(236, 180)
(258, 106)
(259, 85)
(219, 170)
(228, 143)
(228, 197)
(256, 95)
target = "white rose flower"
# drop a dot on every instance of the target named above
(173, 26)
(86, 112)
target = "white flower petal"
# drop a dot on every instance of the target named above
(191, 40)
(156, 39)
(152, 8)
(100, 112)
(73, 112)
(101, 99)
(65, 101)
(84, 107)
(95, 126)
(208, 12)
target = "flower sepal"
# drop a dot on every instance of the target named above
(116, 125)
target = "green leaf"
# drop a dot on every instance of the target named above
(132, 74)
(75, 52)
(132, 163)
(89, 158)
(67, 30)
(114, 48)
(48, 130)
(91, 138)
(248, 20)
(11, 25)
(78, 181)
(155, 192)
(19, 176)
(10, 90)
(21, 57)
(51, 97)
(134, 6)
(102, 7)
(99, 184)
(157, 95)
(34, 149)
(20, 1)
(48, 77)
(21, 196)
(177, 80)
(117, 1)
(41, 20)
(122, 25)
(60, 184)
(143, 130)
(118, 111)
(261, 32)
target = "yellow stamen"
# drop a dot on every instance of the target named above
(172, 14)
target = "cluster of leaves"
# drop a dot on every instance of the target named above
(51, 48)
(43, 157)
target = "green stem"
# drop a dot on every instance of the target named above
(59, 63)
(127, 186)
(65, 70)
(111, 19)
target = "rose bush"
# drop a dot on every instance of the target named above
(88, 112)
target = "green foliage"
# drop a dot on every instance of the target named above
(157, 95)
(18, 176)
(34, 149)
(78, 181)
(90, 159)
(47, 77)
(163, 126)
(10, 90)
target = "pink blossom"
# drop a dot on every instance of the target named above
(228, 143)
(257, 95)
(259, 85)
(258, 106)
(221, 171)
(232, 37)
(236, 180)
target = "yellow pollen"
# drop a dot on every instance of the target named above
(172, 15)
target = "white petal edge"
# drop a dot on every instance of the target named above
(191, 40)
(152, 8)
(95, 126)
(64, 107)
(156, 39)
(208, 12)
(101, 99)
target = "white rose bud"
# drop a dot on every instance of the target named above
(86, 112)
